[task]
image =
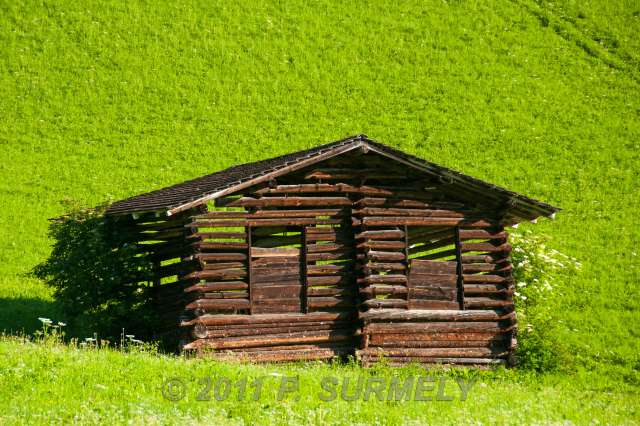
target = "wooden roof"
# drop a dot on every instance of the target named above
(185, 195)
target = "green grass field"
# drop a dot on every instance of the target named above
(105, 100)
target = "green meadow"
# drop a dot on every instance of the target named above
(104, 100)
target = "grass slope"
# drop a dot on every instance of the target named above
(109, 100)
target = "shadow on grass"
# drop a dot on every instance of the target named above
(20, 314)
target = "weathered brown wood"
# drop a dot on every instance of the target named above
(484, 289)
(287, 202)
(417, 338)
(433, 266)
(324, 248)
(231, 274)
(371, 267)
(267, 328)
(329, 280)
(351, 173)
(496, 258)
(395, 202)
(339, 291)
(276, 292)
(398, 315)
(481, 233)
(382, 245)
(222, 257)
(486, 302)
(274, 252)
(432, 304)
(478, 363)
(384, 256)
(225, 295)
(279, 356)
(270, 214)
(437, 221)
(329, 302)
(383, 279)
(217, 286)
(484, 278)
(385, 303)
(391, 234)
(224, 320)
(381, 290)
(276, 339)
(482, 267)
(439, 327)
(391, 211)
(486, 247)
(346, 254)
(215, 304)
(206, 332)
(420, 279)
(438, 343)
(434, 352)
(323, 188)
(434, 292)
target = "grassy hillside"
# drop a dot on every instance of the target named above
(103, 101)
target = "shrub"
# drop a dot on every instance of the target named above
(98, 278)
(538, 271)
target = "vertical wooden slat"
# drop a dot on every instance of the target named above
(460, 284)
(249, 274)
(303, 271)
(406, 264)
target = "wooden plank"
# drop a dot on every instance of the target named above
(438, 327)
(485, 247)
(270, 214)
(395, 202)
(418, 279)
(217, 286)
(287, 202)
(323, 187)
(432, 304)
(303, 271)
(486, 278)
(329, 302)
(435, 293)
(433, 266)
(387, 234)
(224, 320)
(212, 257)
(276, 292)
(486, 303)
(482, 233)
(385, 303)
(277, 339)
(434, 352)
(384, 256)
(460, 295)
(384, 279)
(382, 245)
(218, 304)
(391, 211)
(224, 265)
(411, 221)
(230, 274)
(398, 315)
(274, 252)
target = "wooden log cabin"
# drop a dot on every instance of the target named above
(351, 247)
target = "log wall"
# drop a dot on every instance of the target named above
(351, 256)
